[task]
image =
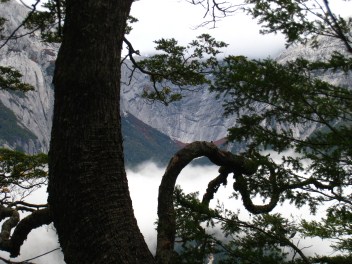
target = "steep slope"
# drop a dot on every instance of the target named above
(35, 60)
(25, 119)
(143, 143)
(199, 116)
(327, 45)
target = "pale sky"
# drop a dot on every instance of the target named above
(44, 239)
(175, 18)
(178, 19)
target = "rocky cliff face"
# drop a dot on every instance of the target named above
(197, 117)
(327, 45)
(35, 60)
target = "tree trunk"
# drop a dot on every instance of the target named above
(88, 190)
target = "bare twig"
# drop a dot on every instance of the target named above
(335, 26)
(27, 260)
(216, 10)
(21, 25)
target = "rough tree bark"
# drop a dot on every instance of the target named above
(14, 232)
(229, 163)
(88, 190)
(166, 214)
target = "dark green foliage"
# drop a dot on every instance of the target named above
(10, 79)
(333, 260)
(283, 16)
(220, 233)
(16, 168)
(49, 22)
(273, 101)
(290, 96)
(300, 20)
(193, 244)
(130, 21)
(185, 67)
(337, 224)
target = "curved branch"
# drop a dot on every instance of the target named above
(229, 163)
(25, 226)
(241, 186)
(22, 228)
(166, 214)
(9, 224)
(213, 187)
(152, 75)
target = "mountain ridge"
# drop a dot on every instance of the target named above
(199, 116)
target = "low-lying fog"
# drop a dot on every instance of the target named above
(144, 181)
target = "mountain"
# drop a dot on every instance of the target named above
(197, 117)
(327, 45)
(144, 143)
(151, 130)
(35, 60)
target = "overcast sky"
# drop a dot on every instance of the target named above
(146, 179)
(174, 18)
(178, 19)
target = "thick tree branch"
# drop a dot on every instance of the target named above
(12, 244)
(25, 226)
(166, 214)
(213, 187)
(37, 206)
(14, 262)
(9, 224)
(229, 163)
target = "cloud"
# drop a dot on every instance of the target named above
(240, 31)
(144, 182)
